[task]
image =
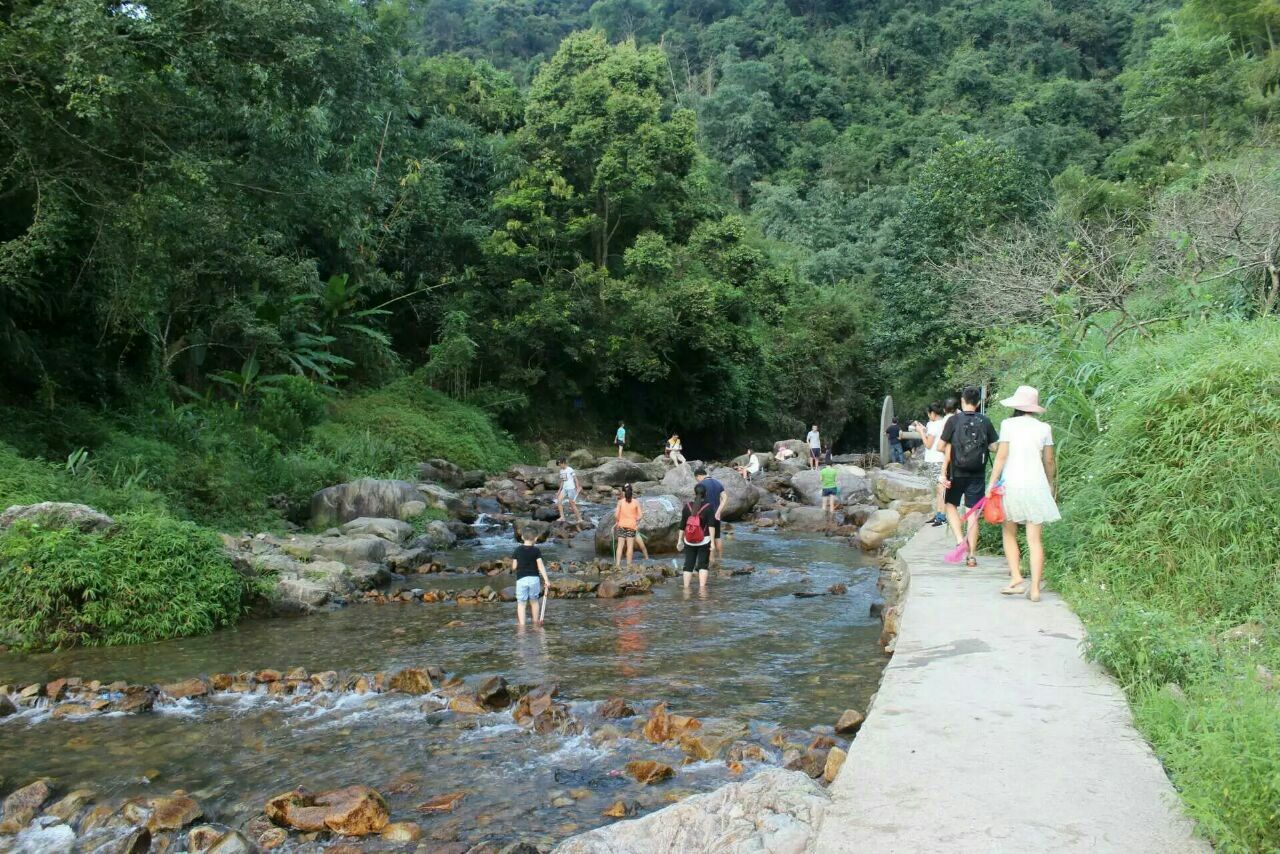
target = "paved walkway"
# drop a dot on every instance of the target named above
(992, 734)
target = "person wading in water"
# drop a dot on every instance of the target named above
(695, 536)
(627, 516)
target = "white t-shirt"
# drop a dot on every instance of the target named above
(814, 441)
(934, 429)
(1027, 437)
(753, 464)
(567, 481)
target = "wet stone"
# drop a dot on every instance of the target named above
(649, 772)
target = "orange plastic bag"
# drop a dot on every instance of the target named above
(993, 510)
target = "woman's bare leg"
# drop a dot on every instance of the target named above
(1011, 551)
(631, 550)
(1035, 545)
(617, 553)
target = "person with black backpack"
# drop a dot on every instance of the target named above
(969, 436)
(694, 539)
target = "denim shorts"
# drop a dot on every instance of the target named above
(528, 588)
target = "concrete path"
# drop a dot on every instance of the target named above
(991, 733)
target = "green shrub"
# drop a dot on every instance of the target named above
(148, 578)
(413, 422)
(290, 408)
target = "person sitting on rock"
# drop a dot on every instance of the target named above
(675, 450)
(531, 575)
(627, 516)
(752, 466)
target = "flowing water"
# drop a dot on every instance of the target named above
(748, 654)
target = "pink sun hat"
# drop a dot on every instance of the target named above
(1025, 399)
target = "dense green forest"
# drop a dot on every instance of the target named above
(252, 247)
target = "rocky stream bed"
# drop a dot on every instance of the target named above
(406, 712)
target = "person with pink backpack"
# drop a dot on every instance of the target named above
(694, 539)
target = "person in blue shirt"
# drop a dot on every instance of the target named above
(717, 498)
(620, 438)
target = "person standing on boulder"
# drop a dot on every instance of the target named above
(717, 498)
(815, 447)
(830, 489)
(627, 516)
(695, 537)
(620, 438)
(568, 491)
(1025, 461)
(968, 436)
(531, 576)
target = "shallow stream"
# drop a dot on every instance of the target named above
(749, 654)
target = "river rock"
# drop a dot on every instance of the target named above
(630, 584)
(850, 722)
(24, 804)
(69, 806)
(6, 706)
(442, 471)
(812, 761)
(892, 485)
(774, 811)
(194, 687)
(835, 761)
(352, 550)
(679, 480)
(617, 472)
(614, 708)
(493, 694)
(648, 772)
(659, 527)
(402, 831)
(58, 514)
(300, 594)
(539, 531)
(367, 497)
(411, 680)
(805, 518)
(233, 842)
(172, 813)
(879, 527)
(349, 811)
(391, 530)
(854, 485)
(465, 704)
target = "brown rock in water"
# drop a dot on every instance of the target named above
(268, 675)
(411, 680)
(325, 681)
(232, 842)
(204, 837)
(24, 805)
(735, 768)
(6, 706)
(850, 722)
(402, 831)
(811, 762)
(837, 589)
(137, 698)
(658, 728)
(221, 681)
(649, 772)
(71, 710)
(466, 705)
(172, 813)
(349, 811)
(69, 806)
(747, 752)
(621, 809)
(30, 691)
(493, 694)
(614, 708)
(55, 689)
(822, 742)
(443, 803)
(273, 838)
(835, 761)
(194, 687)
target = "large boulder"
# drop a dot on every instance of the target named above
(352, 550)
(774, 811)
(548, 478)
(367, 496)
(659, 527)
(743, 495)
(57, 514)
(805, 518)
(879, 527)
(442, 499)
(799, 447)
(442, 471)
(350, 811)
(391, 530)
(581, 459)
(892, 485)
(855, 488)
(615, 472)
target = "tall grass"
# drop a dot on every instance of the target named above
(1169, 478)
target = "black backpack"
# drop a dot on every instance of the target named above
(969, 444)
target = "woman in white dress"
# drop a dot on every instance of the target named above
(1025, 460)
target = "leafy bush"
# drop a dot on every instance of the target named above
(406, 422)
(148, 578)
(291, 407)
